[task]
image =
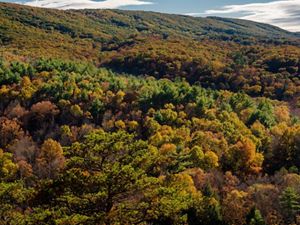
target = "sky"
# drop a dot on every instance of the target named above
(281, 13)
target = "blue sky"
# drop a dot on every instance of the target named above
(188, 6)
(282, 13)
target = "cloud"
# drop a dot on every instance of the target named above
(283, 13)
(85, 4)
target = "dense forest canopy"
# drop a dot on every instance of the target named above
(120, 117)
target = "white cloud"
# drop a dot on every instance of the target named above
(283, 13)
(85, 4)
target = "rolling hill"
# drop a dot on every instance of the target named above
(114, 117)
(217, 53)
(83, 31)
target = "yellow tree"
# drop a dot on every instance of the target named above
(50, 160)
(7, 168)
(243, 158)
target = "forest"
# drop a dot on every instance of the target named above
(151, 127)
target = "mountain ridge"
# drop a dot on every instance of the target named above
(217, 53)
(82, 34)
(143, 21)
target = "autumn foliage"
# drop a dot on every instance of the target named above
(147, 119)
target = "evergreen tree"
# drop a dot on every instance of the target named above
(255, 218)
(290, 203)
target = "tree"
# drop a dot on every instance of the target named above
(120, 124)
(171, 200)
(41, 118)
(197, 156)
(76, 111)
(44, 108)
(97, 108)
(285, 148)
(290, 203)
(50, 159)
(28, 88)
(235, 207)
(255, 218)
(211, 160)
(15, 111)
(208, 210)
(8, 168)
(266, 200)
(264, 114)
(243, 158)
(9, 131)
(105, 172)
(25, 153)
(8, 77)
(14, 197)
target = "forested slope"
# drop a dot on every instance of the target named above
(88, 146)
(120, 117)
(227, 54)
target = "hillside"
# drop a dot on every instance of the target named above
(102, 24)
(81, 145)
(217, 53)
(84, 31)
(114, 117)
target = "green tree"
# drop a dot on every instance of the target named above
(290, 203)
(255, 218)
(264, 114)
(104, 173)
(207, 211)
